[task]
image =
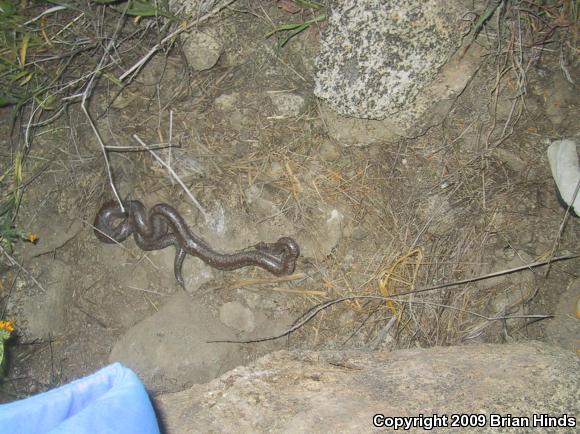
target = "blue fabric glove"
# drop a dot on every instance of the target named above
(112, 400)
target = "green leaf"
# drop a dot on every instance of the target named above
(7, 8)
(143, 8)
(308, 4)
(8, 99)
(295, 28)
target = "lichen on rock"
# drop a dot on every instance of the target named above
(376, 55)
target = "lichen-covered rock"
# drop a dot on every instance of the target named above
(376, 55)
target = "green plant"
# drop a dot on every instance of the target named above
(140, 8)
(289, 30)
(6, 329)
(15, 41)
(10, 181)
(49, 55)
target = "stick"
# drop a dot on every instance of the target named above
(310, 314)
(174, 175)
(169, 37)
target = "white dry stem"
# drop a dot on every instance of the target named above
(46, 12)
(20, 267)
(175, 176)
(85, 96)
(315, 310)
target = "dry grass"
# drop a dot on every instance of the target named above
(420, 214)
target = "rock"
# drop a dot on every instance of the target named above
(287, 104)
(563, 158)
(169, 350)
(195, 8)
(275, 170)
(559, 96)
(239, 121)
(195, 274)
(261, 202)
(238, 317)
(329, 151)
(227, 101)
(341, 391)
(43, 313)
(564, 328)
(511, 159)
(202, 50)
(375, 56)
(430, 94)
(325, 235)
(232, 107)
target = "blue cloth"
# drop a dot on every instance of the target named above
(112, 400)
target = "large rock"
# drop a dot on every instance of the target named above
(391, 69)
(341, 391)
(564, 328)
(376, 55)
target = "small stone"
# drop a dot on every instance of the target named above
(511, 160)
(202, 50)
(329, 151)
(237, 316)
(227, 101)
(275, 170)
(327, 234)
(287, 104)
(238, 121)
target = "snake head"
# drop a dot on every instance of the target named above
(112, 224)
(290, 247)
(289, 252)
(283, 253)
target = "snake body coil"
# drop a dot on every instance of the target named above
(163, 226)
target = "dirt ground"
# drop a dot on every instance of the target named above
(377, 219)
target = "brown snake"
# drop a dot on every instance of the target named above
(163, 226)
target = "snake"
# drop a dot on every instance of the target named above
(162, 226)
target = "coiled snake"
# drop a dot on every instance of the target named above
(163, 226)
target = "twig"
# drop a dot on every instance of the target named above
(151, 291)
(265, 281)
(7, 298)
(170, 139)
(174, 175)
(317, 309)
(46, 12)
(20, 267)
(88, 92)
(144, 59)
(494, 274)
(563, 224)
(310, 314)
